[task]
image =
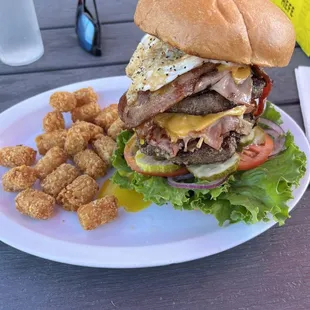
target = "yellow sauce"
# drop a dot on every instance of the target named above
(239, 74)
(130, 200)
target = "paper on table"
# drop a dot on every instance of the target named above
(303, 85)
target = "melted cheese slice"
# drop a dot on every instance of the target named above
(179, 125)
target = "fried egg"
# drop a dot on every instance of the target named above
(155, 64)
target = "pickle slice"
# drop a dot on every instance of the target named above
(215, 171)
(246, 140)
(257, 136)
(151, 164)
(260, 136)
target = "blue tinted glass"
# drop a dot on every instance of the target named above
(86, 31)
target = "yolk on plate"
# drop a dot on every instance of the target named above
(130, 200)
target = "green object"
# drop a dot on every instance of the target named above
(151, 164)
(259, 136)
(272, 114)
(248, 196)
(246, 140)
(215, 171)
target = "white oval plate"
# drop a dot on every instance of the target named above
(155, 236)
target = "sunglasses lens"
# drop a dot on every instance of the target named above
(85, 31)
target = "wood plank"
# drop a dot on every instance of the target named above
(285, 88)
(63, 52)
(194, 285)
(15, 88)
(271, 271)
(59, 13)
(119, 42)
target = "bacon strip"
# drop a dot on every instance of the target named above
(238, 94)
(212, 135)
(150, 104)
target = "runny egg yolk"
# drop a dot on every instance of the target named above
(130, 200)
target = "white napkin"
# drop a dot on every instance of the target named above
(303, 85)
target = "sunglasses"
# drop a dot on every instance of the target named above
(87, 28)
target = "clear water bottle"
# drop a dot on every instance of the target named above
(20, 37)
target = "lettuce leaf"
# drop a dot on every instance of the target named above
(272, 114)
(249, 196)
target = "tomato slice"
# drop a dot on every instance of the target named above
(129, 154)
(255, 155)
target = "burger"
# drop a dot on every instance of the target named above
(200, 132)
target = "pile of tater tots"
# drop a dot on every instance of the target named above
(89, 144)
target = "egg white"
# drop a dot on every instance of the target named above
(155, 64)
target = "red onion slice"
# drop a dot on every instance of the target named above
(277, 133)
(172, 182)
(183, 177)
(271, 125)
(278, 140)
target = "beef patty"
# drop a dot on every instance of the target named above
(204, 155)
(203, 103)
(148, 104)
(258, 87)
(207, 102)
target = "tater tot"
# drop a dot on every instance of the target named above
(53, 121)
(63, 101)
(86, 112)
(84, 96)
(77, 140)
(90, 163)
(35, 204)
(79, 135)
(98, 212)
(19, 178)
(107, 116)
(14, 156)
(59, 179)
(81, 191)
(116, 128)
(92, 129)
(104, 146)
(48, 140)
(50, 161)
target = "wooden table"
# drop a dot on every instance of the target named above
(270, 272)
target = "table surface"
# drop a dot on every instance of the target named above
(271, 271)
